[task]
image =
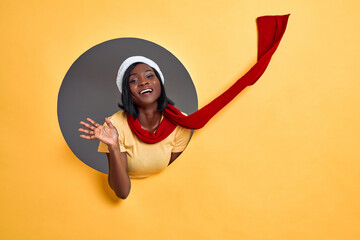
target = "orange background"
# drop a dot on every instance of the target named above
(280, 162)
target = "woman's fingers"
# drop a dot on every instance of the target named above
(91, 133)
(92, 137)
(87, 125)
(93, 122)
(86, 131)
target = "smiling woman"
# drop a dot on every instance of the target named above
(143, 98)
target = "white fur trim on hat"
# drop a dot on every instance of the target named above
(126, 64)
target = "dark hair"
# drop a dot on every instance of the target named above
(128, 104)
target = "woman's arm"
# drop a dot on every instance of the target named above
(118, 177)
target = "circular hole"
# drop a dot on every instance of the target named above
(89, 90)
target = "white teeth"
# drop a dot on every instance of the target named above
(146, 91)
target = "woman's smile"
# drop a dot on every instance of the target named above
(146, 91)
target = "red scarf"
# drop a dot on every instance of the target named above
(270, 31)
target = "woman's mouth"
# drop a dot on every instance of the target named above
(145, 91)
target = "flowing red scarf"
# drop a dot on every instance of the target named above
(270, 31)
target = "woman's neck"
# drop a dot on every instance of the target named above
(149, 117)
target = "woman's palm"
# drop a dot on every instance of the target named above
(106, 135)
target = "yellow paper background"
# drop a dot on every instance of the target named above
(282, 161)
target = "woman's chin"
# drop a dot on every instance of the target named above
(146, 100)
(147, 103)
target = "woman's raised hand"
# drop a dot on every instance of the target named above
(107, 135)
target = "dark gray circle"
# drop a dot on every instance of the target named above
(89, 90)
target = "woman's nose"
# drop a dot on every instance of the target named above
(143, 81)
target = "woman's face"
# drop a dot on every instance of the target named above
(144, 86)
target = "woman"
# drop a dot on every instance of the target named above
(143, 96)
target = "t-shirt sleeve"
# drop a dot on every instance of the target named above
(182, 138)
(104, 148)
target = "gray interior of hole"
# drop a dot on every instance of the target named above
(89, 90)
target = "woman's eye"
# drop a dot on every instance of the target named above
(150, 76)
(132, 81)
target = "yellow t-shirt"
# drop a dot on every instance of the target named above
(146, 159)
